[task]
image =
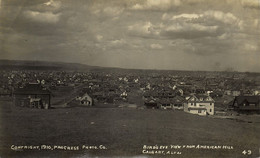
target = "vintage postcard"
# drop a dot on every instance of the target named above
(130, 78)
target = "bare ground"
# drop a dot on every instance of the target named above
(123, 131)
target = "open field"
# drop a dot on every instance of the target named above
(123, 131)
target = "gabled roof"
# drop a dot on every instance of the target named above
(204, 98)
(177, 99)
(201, 96)
(249, 99)
(32, 89)
(150, 101)
(164, 101)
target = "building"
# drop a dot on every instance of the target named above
(33, 96)
(164, 104)
(177, 103)
(151, 104)
(5, 92)
(200, 105)
(247, 103)
(85, 100)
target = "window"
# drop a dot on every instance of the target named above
(191, 103)
(210, 110)
(199, 111)
(210, 104)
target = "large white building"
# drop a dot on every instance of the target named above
(199, 104)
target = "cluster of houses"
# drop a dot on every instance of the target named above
(191, 92)
(110, 89)
(198, 95)
(201, 104)
(247, 104)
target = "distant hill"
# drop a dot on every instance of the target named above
(43, 65)
(63, 66)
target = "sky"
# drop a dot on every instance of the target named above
(210, 35)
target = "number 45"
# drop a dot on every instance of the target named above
(247, 152)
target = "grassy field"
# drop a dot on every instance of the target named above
(123, 131)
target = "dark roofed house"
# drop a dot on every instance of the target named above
(151, 104)
(247, 103)
(32, 95)
(165, 103)
(178, 102)
(5, 92)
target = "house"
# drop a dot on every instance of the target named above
(164, 104)
(85, 100)
(228, 92)
(5, 92)
(200, 91)
(216, 94)
(151, 104)
(247, 103)
(256, 92)
(146, 95)
(179, 92)
(199, 104)
(177, 102)
(123, 95)
(247, 92)
(235, 93)
(32, 95)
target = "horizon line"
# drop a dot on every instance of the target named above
(148, 69)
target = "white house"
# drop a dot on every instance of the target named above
(85, 100)
(200, 105)
(124, 95)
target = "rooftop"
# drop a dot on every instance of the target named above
(32, 89)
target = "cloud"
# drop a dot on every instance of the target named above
(156, 46)
(189, 31)
(172, 30)
(54, 4)
(113, 11)
(254, 4)
(145, 29)
(117, 42)
(43, 17)
(107, 11)
(207, 23)
(156, 5)
(210, 23)
(191, 2)
(99, 37)
(141, 27)
(201, 32)
(227, 18)
(250, 47)
(186, 16)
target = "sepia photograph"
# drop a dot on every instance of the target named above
(130, 78)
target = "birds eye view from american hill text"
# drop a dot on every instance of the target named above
(130, 78)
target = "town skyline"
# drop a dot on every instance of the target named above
(193, 35)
